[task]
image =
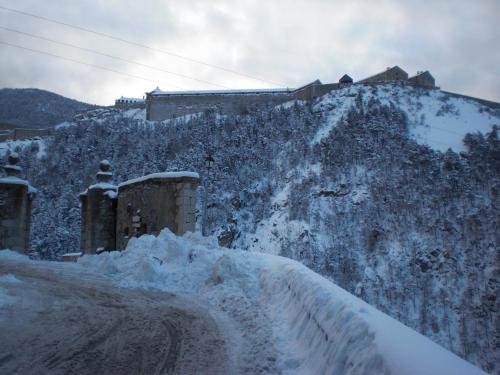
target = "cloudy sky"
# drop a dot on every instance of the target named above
(281, 42)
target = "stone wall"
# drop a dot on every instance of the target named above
(155, 202)
(170, 106)
(16, 196)
(98, 213)
(21, 133)
(391, 74)
(166, 106)
(98, 220)
(6, 136)
(31, 133)
(111, 215)
(15, 217)
(130, 105)
(315, 90)
(424, 79)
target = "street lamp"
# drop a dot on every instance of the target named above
(209, 163)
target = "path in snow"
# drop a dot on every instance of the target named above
(57, 320)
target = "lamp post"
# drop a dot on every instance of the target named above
(209, 163)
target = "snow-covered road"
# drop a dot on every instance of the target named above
(170, 304)
(56, 319)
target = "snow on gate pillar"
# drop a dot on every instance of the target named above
(16, 196)
(98, 213)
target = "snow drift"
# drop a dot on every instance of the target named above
(317, 327)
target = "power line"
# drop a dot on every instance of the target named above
(110, 56)
(88, 64)
(139, 45)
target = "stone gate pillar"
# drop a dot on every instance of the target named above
(16, 196)
(98, 213)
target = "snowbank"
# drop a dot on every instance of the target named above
(5, 298)
(13, 180)
(317, 327)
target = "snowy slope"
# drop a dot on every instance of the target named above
(435, 118)
(317, 327)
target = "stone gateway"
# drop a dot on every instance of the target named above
(111, 215)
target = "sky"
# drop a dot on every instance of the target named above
(180, 45)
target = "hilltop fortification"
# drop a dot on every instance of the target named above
(163, 105)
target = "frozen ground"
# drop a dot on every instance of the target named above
(256, 313)
(58, 319)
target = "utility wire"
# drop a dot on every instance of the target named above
(91, 65)
(110, 56)
(109, 36)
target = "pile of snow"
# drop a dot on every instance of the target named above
(5, 298)
(314, 325)
(13, 180)
(163, 176)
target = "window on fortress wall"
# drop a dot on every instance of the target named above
(126, 232)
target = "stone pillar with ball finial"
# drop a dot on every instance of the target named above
(98, 213)
(16, 196)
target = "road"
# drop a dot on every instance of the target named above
(64, 321)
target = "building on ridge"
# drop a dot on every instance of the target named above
(126, 103)
(391, 74)
(346, 80)
(423, 79)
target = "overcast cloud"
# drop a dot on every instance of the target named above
(284, 42)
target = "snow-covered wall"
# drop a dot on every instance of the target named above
(341, 334)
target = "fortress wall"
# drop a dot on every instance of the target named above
(165, 107)
(423, 80)
(313, 91)
(20, 134)
(389, 75)
(6, 136)
(30, 133)
(130, 105)
(487, 103)
(305, 93)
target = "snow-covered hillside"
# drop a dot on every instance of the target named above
(35, 146)
(277, 305)
(436, 119)
(353, 185)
